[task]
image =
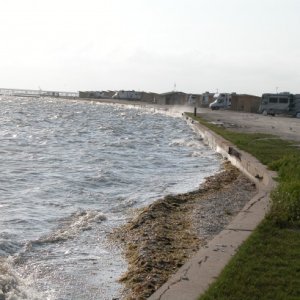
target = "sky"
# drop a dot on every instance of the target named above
(243, 46)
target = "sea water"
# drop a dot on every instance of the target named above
(70, 172)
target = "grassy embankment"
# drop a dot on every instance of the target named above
(267, 265)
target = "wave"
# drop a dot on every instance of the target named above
(80, 221)
(197, 154)
(11, 286)
(8, 248)
(182, 142)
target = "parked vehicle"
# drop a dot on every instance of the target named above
(192, 99)
(222, 100)
(127, 95)
(281, 103)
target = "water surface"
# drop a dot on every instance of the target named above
(73, 170)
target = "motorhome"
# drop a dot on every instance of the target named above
(192, 99)
(130, 95)
(222, 100)
(281, 103)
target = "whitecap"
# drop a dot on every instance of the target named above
(196, 154)
(80, 221)
(178, 142)
(13, 287)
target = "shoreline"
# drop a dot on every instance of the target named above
(164, 235)
(172, 109)
(151, 106)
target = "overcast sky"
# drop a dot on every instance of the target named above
(244, 46)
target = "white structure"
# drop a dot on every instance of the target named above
(222, 100)
(37, 93)
(130, 95)
(282, 103)
(192, 99)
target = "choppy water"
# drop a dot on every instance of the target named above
(70, 172)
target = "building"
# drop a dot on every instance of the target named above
(152, 98)
(205, 99)
(175, 98)
(37, 93)
(193, 99)
(245, 103)
(280, 103)
(96, 94)
(90, 94)
(127, 95)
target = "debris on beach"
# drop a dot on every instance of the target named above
(160, 239)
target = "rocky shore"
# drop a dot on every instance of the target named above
(165, 234)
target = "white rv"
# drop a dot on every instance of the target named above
(129, 95)
(282, 103)
(222, 100)
(192, 99)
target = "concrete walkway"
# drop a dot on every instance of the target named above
(195, 276)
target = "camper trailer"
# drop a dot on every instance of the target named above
(129, 95)
(222, 100)
(282, 103)
(192, 99)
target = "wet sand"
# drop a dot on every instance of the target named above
(162, 236)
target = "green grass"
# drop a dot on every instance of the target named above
(266, 148)
(267, 265)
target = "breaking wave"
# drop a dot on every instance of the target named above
(80, 221)
(73, 171)
(13, 287)
(193, 143)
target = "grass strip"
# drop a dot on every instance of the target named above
(267, 265)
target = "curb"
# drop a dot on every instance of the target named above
(195, 276)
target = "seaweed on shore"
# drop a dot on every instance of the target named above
(163, 236)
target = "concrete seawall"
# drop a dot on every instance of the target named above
(195, 276)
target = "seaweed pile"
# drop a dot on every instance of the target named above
(162, 236)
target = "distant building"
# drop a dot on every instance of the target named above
(127, 95)
(68, 94)
(90, 94)
(152, 98)
(175, 98)
(96, 94)
(193, 100)
(205, 99)
(108, 94)
(37, 93)
(49, 94)
(221, 101)
(280, 103)
(245, 103)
